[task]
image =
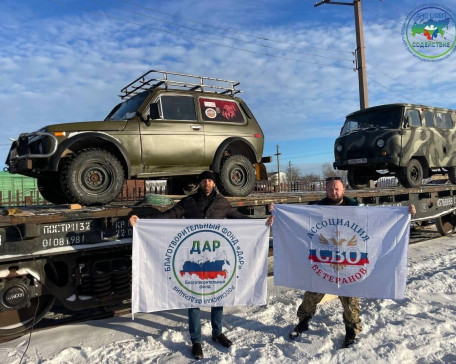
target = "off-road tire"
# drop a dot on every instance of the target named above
(446, 224)
(412, 175)
(356, 181)
(51, 189)
(452, 174)
(92, 177)
(236, 177)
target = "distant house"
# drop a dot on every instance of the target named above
(274, 178)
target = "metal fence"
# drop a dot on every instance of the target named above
(20, 191)
(23, 191)
(296, 186)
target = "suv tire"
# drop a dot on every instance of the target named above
(237, 176)
(92, 176)
(51, 189)
(412, 175)
(356, 181)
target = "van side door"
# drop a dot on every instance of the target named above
(443, 141)
(415, 136)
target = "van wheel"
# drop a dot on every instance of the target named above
(237, 176)
(356, 181)
(452, 174)
(412, 175)
(92, 177)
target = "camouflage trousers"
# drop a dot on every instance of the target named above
(350, 305)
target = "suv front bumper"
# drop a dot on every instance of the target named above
(29, 148)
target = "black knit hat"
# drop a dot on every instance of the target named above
(206, 175)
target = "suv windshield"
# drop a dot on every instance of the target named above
(127, 109)
(373, 119)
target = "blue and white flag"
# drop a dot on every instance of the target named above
(194, 263)
(342, 250)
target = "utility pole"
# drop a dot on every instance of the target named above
(291, 171)
(278, 165)
(359, 53)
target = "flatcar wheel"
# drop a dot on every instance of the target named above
(16, 321)
(446, 224)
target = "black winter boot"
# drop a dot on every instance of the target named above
(302, 326)
(350, 336)
(223, 340)
(197, 351)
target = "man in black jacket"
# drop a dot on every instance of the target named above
(206, 203)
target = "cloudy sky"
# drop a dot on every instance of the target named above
(66, 60)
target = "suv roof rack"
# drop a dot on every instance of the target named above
(153, 79)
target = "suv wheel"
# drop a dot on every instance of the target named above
(356, 181)
(237, 176)
(93, 176)
(412, 175)
(51, 189)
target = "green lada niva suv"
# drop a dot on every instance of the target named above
(168, 126)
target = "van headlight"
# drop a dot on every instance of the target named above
(380, 143)
(339, 148)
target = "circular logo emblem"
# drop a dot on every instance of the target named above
(428, 32)
(211, 266)
(210, 113)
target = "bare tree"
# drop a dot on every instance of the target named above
(329, 171)
(310, 177)
(295, 174)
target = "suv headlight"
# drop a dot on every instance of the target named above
(380, 143)
(339, 148)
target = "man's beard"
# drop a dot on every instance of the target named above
(337, 201)
(207, 190)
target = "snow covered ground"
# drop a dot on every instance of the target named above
(419, 329)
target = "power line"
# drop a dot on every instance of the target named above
(233, 30)
(385, 74)
(225, 36)
(219, 44)
(290, 156)
(193, 38)
(378, 83)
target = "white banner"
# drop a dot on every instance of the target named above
(194, 263)
(342, 250)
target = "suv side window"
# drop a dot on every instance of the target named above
(413, 117)
(177, 107)
(220, 110)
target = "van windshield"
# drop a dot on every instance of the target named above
(373, 119)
